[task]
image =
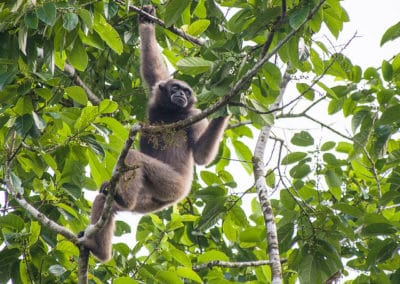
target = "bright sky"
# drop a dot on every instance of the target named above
(370, 19)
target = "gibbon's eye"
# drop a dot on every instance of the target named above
(188, 93)
(175, 88)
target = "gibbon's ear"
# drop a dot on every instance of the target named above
(162, 86)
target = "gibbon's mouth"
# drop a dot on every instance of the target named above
(179, 100)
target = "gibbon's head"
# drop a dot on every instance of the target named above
(175, 94)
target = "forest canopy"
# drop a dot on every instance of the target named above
(323, 203)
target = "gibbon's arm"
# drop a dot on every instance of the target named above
(206, 145)
(153, 68)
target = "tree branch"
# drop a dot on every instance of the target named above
(242, 264)
(263, 194)
(71, 73)
(159, 22)
(43, 219)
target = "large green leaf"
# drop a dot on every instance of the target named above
(390, 115)
(193, 65)
(293, 158)
(391, 33)
(77, 94)
(77, 55)
(107, 33)
(303, 138)
(47, 13)
(174, 10)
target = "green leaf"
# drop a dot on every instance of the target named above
(47, 13)
(193, 65)
(303, 139)
(387, 71)
(391, 33)
(349, 209)
(122, 228)
(212, 255)
(107, 33)
(107, 106)
(287, 200)
(188, 273)
(31, 19)
(77, 55)
(70, 21)
(305, 91)
(335, 105)
(390, 115)
(328, 146)
(168, 277)
(23, 124)
(211, 214)
(298, 16)
(180, 256)
(77, 94)
(198, 27)
(332, 179)
(293, 158)
(86, 17)
(244, 154)
(210, 178)
(174, 11)
(13, 222)
(272, 75)
(252, 235)
(300, 171)
(34, 231)
(124, 280)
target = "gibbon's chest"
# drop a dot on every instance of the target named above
(169, 146)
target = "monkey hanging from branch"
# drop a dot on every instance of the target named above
(164, 170)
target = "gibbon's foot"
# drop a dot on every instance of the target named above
(103, 187)
(150, 10)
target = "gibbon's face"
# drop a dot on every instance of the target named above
(177, 93)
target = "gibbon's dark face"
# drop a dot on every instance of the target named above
(178, 93)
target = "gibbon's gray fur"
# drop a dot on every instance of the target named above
(166, 162)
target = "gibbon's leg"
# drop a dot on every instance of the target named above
(101, 243)
(160, 185)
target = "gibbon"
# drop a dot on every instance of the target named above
(165, 161)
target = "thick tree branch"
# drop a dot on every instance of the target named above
(242, 264)
(263, 194)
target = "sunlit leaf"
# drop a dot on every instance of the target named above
(107, 33)
(174, 10)
(391, 33)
